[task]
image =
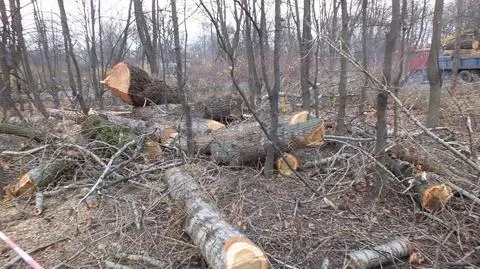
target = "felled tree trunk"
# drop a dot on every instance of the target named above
(39, 177)
(246, 143)
(221, 245)
(429, 192)
(222, 108)
(23, 131)
(378, 255)
(134, 86)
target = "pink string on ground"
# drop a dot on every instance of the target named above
(27, 258)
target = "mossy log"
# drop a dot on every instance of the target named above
(429, 192)
(135, 87)
(23, 131)
(221, 245)
(246, 143)
(96, 127)
(39, 177)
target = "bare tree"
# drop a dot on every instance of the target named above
(363, 94)
(180, 79)
(124, 37)
(433, 69)
(305, 53)
(5, 86)
(274, 93)
(145, 39)
(254, 83)
(382, 97)
(342, 85)
(75, 81)
(17, 29)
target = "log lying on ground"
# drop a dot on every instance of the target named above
(382, 254)
(221, 245)
(246, 143)
(223, 107)
(23, 131)
(39, 177)
(430, 193)
(134, 86)
(287, 164)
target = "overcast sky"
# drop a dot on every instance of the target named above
(110, 9)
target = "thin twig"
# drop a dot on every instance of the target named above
(25, 152)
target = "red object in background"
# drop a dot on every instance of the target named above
(418, 60)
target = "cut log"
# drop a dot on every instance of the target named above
(284, 168)
(298, 117)
(221, 245)
(224, 107)
(39, 177)
(134, 86)
(378, 255)
(23, 131)
(430, 193)
(246, 143)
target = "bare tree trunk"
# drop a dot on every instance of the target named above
(433, 69)
(363, 94)
(382, 97)
(398, 80)
(100, 43)
(180, 79)
(5, 87)
(94, 58)
(254, 83)
(458, 29)
(144, 36)
(305, 55)
(43, 42)
(274, 94)
(18, 30)
(342, 85)
(77, 88)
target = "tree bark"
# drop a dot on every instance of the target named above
(274, 93)
(17, 28)
(342, 85)
(382, 97)
(23, 131)
(144, 36)
(433, 69)
(305, 55)
(77, 88)
(363, 93)
(180, 80)
(378, 255)
(221, 245)
(254, 83)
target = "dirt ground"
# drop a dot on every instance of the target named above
(292, 224)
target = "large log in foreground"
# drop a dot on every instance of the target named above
(221, 245)
(246, 143)
(23, 131)
(134, 86)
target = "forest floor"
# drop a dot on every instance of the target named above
(292, 224)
